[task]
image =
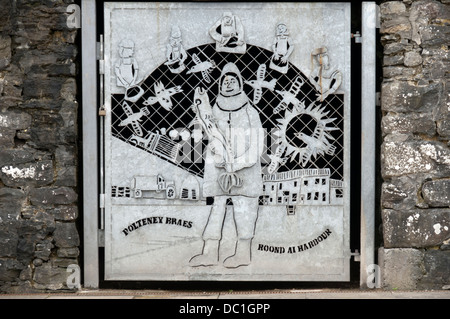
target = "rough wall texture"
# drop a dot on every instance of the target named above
(38, 145)
(415, 153)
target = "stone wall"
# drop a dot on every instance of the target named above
(415, 153)
(38, 145)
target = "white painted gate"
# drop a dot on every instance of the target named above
(227, 141)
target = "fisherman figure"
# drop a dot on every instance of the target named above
(127, 68)
(282, 49)
(229, 34)
(175, 53)
(237, 179)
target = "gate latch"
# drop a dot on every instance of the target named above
(356, 255)
(357, 36)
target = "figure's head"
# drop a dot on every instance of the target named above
(230, 81)
(175, 36)
(282, 29)
(227, 18)
(126, 48)
(321, 56)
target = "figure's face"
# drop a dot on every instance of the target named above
(282, 29)
(227, 20)
(230, 85)
(127, 52)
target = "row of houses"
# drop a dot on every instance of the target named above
(301, 187)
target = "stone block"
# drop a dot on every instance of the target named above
(15, 156)
(8, 241)
(49, 277)
(32, 174)
(404, 96)
(53, 196)
(392, 7)
(437, 193)
(436, 267)
(402, 156)
(412, 59)
(400, 268)
(15, 120)
(66, 235)
(416, 123)
(401, 193)
(5, 51)
(416, 228)
(11, 202)
(65, 213)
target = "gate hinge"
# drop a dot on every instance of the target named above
(100, 55)
(102, 201)
(357, 36)
(356, 255)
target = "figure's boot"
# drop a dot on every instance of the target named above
(242, 256)
(209, 255)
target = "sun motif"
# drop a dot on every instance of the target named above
(304, 133)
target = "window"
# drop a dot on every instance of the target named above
(324, 197)
(316, 196)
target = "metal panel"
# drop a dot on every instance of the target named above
(368, 122)
(227, 141)
(90, 145)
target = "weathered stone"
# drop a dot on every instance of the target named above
(34, 174)
(436, 62)
(15, 156)
(396, 25)
(9, 269)
(49, 277)
(401, 193)
(415, 228)
(5, 51)
(397, 59)
(396, 48)
(11, 201)
(402, 96)
(53, 196)
(392, 7)
(71, 252)
(65, 213)
(8, 241)
(436, 267)
(66, 235)
(43, 249)
(45, 132)
(66, 176)
(437, 193)
(429, 37)
(400, 268)
(15, 120)
(401, 156)
(412, 59)
(421, 14)
(40, 86)
(416, 123)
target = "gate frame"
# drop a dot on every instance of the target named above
(90, 148)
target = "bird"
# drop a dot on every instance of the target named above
(289, 97)
(134, 118)
(259, 83)
(163, 96)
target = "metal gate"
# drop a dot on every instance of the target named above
(227, 141)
